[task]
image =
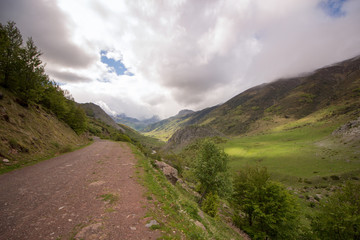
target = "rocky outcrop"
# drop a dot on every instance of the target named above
(188, 134)
(350, 131)
(170, 173)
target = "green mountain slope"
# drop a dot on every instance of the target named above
(31, 133)
(285, 100)
(95, 111)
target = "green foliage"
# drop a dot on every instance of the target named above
(306, 98)
(339, 216)
(109, 198)
(175, 209)
(357, 92)
(210, 204)
(211, 170)
(269, 211)
(23, 73)
(120, 137)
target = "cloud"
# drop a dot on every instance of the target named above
(47, 25)
(183, 53)
(105, 107)
(63, 76)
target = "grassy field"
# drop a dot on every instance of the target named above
(302, 149)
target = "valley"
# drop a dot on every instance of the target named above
(277, 161)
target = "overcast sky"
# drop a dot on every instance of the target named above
(146, 57)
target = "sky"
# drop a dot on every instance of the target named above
(156, 57)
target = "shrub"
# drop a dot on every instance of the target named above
(335, 178)
(339, 216)
(66, 148)
(211, 204)
(269, 211)
(120, 137)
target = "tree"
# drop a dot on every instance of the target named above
(76, 117)
(339, 216)
(10, 47)
(22, 72)
(210, 169)
(32, 77)
(268, 210)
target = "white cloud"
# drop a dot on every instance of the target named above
(184, 54)
(105, 107)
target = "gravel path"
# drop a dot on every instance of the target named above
(91, 193)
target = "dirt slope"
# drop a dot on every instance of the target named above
(91, 193)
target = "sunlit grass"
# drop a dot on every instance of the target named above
(294, 150)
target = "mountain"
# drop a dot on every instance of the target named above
(336, 86)
(135, 123)
(93, 110)
(188, 134)
(165, 128)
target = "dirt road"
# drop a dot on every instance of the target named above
(91, 193)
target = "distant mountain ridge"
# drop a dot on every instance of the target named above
(135, 123)
(292, 98)
(95, 111)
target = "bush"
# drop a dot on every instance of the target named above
(339, 216)
(335, 178)
(120, 137)
(66, 148)
(269, 211)
(211, 204)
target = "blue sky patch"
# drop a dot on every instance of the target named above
(116, 65)
(333, 8)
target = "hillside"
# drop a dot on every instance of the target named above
(31, 133)
(165, 128)
(95, 111)
(284, 100)
(135, 123)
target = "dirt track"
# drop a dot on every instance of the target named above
(61, 198)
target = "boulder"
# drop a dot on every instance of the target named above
(200, 225)
(152, 223)
(349, 131)
(170, 172)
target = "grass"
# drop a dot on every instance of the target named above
(32, 134)
(33, 159)
(109, 198)
(303, 156)
(295, 150)
(176, 210)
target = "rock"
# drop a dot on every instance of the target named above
(319, 196)
(152, 223)
(170, 172)
(349, 131)
(201, 214)
(200, 225)
(6, 117)
(6, 160)
(89, 232)
(184, 136)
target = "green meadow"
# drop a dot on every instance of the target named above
(297, 150)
